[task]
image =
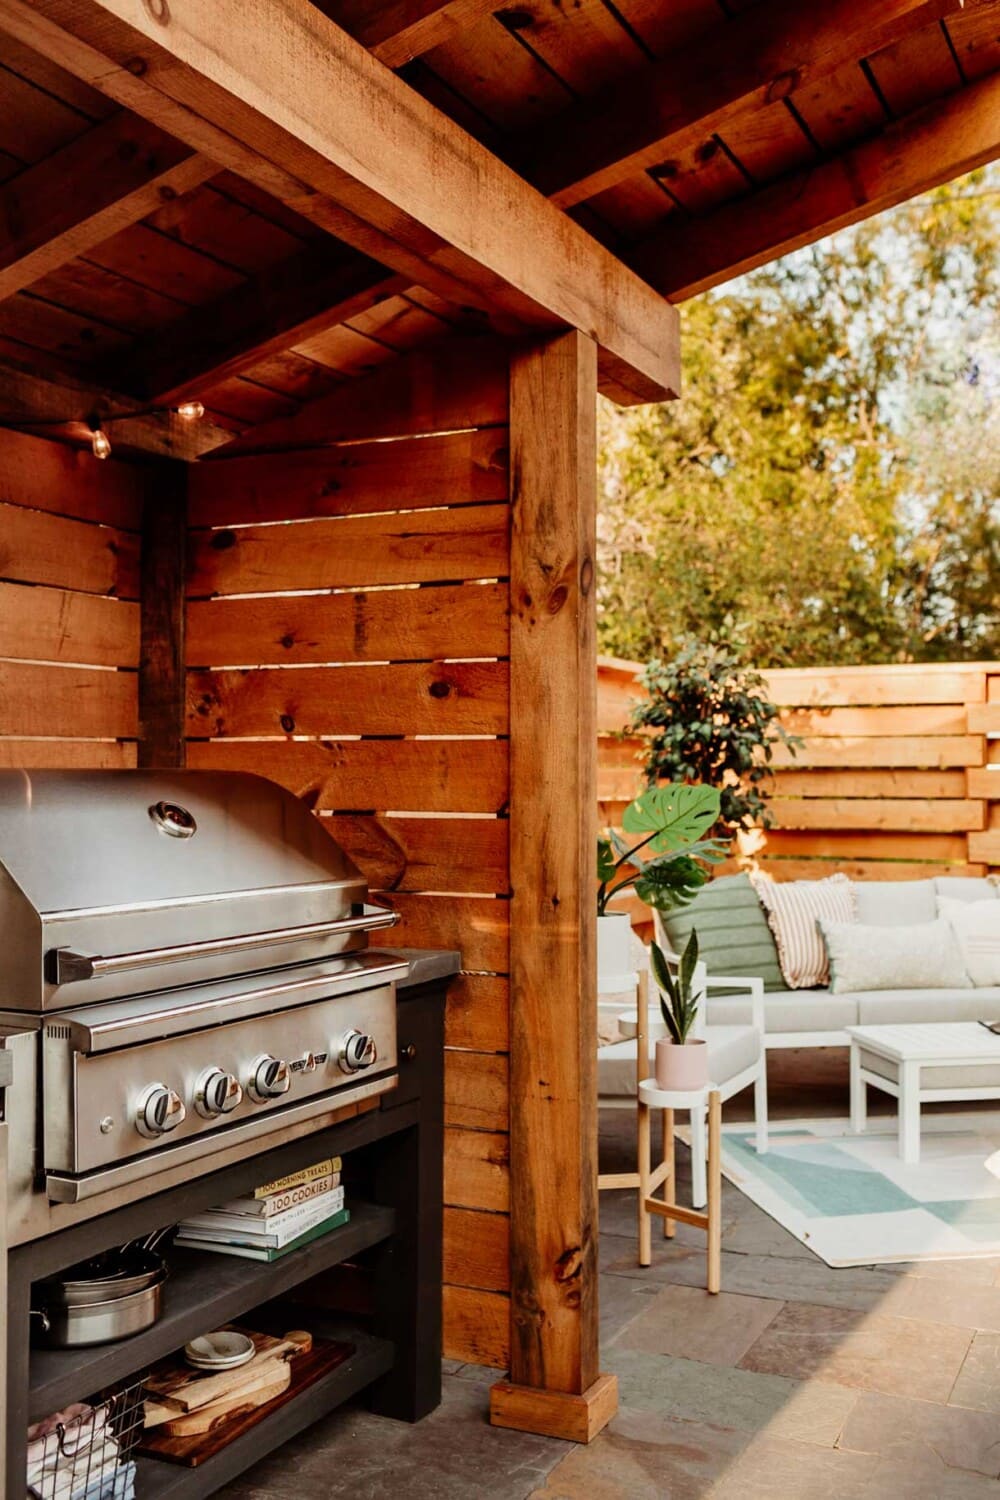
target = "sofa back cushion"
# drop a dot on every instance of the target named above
(968, 887)
(733, 935)
(895, 903)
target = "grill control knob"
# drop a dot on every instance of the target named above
(159, 1110)
(269, 1079)
(217, 1093)
(356, 1051)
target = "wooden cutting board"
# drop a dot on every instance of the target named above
(197, 1448)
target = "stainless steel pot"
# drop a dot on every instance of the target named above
(102, 1280)
(63, 1326)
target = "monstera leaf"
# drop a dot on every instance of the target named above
(606, 862)
(665, 884)
(672, 817)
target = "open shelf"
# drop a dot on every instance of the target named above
(204, 1291)
(372, 1357)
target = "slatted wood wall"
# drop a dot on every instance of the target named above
(894, 780)
(348, 635)
(69, 617)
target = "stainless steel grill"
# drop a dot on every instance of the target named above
(186, 977)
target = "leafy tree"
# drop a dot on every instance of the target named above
(830, 479)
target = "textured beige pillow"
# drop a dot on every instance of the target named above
(793, 908)
(925, 957)
(976, 925)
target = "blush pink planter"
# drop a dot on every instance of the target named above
(682, 1069)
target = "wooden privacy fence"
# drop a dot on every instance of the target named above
(898, 778)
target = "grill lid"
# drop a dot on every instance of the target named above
(115, 864)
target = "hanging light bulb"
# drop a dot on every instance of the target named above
(190, 411)
(100, 442)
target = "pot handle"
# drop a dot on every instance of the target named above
(44, 1318)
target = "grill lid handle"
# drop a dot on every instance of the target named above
(67, 966)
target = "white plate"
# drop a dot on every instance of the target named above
(224, 1350)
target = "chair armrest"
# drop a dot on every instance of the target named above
(755, 987)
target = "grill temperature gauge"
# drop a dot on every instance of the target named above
(159, 1110)
(270, 1077)
(356, 1051)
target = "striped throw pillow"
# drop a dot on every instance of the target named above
(976, 924)
(793, 909)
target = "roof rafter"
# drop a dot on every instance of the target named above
(913, 155)
(283, 306)
(437, 205)
(397, 31)
(108, 178)
(763, 54)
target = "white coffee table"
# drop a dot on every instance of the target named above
(921, 1064)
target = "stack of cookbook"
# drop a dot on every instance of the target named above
(279, 1217)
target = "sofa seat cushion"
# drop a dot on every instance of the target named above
(905, 1007)
(733, 935)
(791, 1010)
(731, 1049)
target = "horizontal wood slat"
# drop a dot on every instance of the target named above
(44, 624)
(67, 701)
(919, 751)
(426, 854)
(477, 1326)
(862, 869)
(461, 775)
(70, 481)
(478, 929)
(922, 719)
(460, 468)
(476, 1090)
(36, 547)
(872, 784)
(985, 846)
(984, 718)
(985, 782)
(477, 1249)
(387, 625)
(477, 1017)
(93, 755)
(848, 687)
(904, 814)
(353, 552)
(937, 848)
(477, 1169)
(448, 698)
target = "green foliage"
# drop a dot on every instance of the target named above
(678, 1001)
(674, 824)
(712, 723)
(830, 479)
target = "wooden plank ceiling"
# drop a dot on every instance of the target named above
(693, 138)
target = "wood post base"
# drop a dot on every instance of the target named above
(558, 1414)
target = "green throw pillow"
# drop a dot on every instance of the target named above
(733, 935)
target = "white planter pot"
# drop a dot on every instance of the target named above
(615, 971)
(681, 1068)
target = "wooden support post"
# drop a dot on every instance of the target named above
(555, 1387)
(161, 656)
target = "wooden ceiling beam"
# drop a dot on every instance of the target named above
(915, 154)
(763, 54)
(283, 306)
(63, 410)
(409, 186)
(397, 31)
(107, 179)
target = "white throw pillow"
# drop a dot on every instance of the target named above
(976, 925)
(792, 909)
(926, 957)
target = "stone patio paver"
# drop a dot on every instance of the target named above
(814, 1413)
(978, 1383)
(686, 1321)
(670, 1387)
(869, 1350)
(939, 1299)
(643, 1458)
(896, 1427)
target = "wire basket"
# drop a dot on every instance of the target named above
(85, 1453)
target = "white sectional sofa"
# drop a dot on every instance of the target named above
(818, 1018)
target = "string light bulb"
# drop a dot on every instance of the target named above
(190, 411)
(99, 441)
